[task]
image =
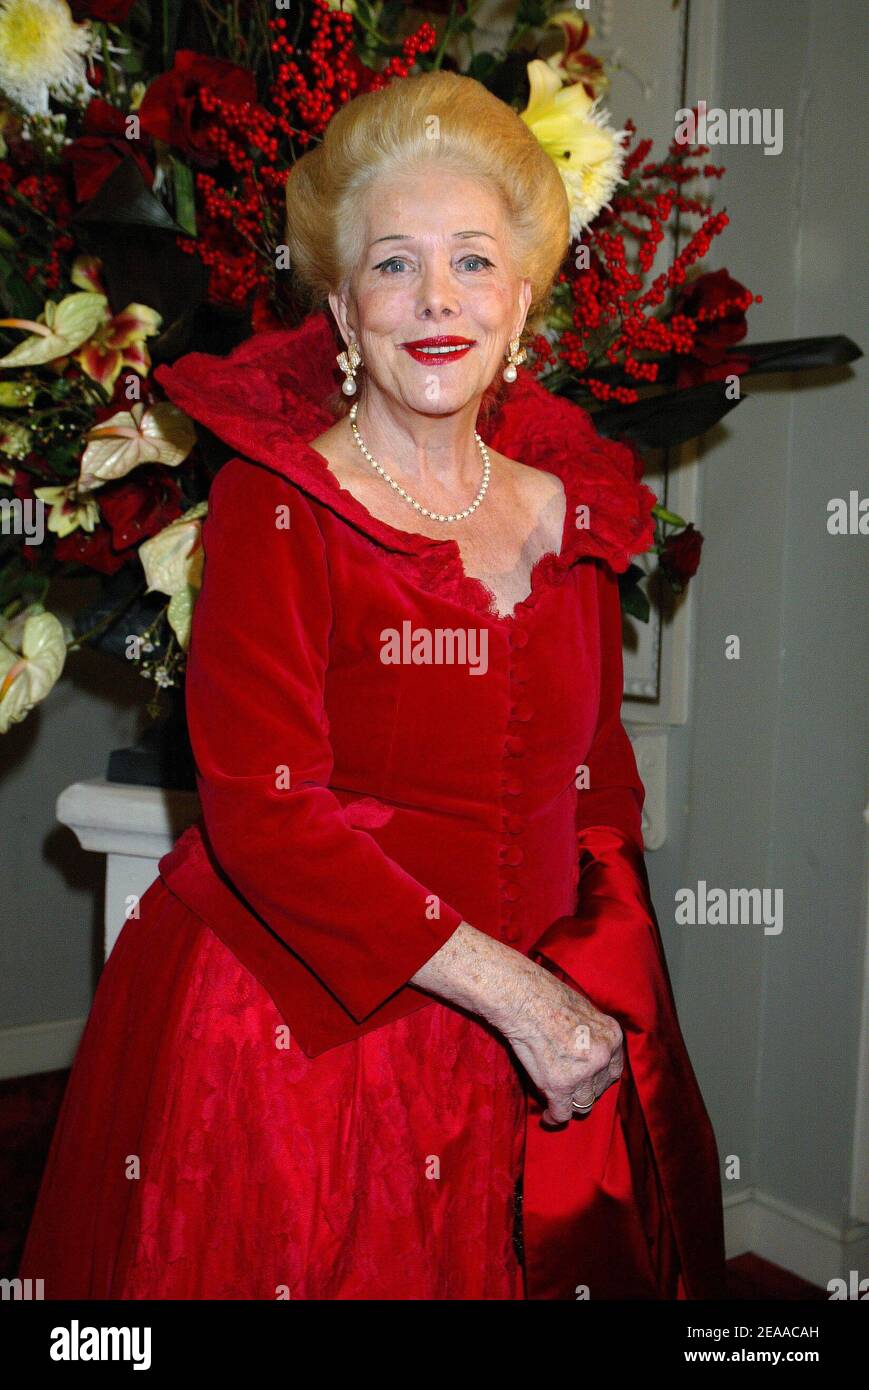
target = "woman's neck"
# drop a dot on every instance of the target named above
(422, 450)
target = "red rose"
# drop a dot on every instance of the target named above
(680, 558)
(110, 11)
(715, 336)
(170, 109)
(140, 506)
(91, 548)
(101, 147)
(132, 511)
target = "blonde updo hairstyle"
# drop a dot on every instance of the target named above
(434, 120)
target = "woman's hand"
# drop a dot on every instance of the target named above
(570, 1050)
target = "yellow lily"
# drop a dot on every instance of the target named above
(578, 137)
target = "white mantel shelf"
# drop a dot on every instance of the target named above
(135, 826)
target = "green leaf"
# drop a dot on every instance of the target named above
(634, 601)
(635, 604)
(532, 12)
(185, 201)
(16, 295)
(671, 518)
(480, 67)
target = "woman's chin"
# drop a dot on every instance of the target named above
(442, 394)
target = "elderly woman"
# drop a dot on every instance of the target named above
(397, 1003)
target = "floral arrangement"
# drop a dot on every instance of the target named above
(143, 154)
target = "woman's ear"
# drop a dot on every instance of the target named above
(524, 306)
(338, 303)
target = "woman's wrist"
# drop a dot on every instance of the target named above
(482, 975)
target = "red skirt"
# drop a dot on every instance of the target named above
(199, 1154)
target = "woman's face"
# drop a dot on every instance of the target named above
(436, 264)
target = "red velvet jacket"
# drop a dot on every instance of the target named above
(355, 810)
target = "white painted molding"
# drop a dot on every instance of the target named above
(799, 1241)
(134, 827)
(650, 750)
(119, 818)
(39, 1047)
(859, 1197)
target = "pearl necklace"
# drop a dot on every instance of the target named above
(433, 516)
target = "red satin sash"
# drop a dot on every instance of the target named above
(625, 1201)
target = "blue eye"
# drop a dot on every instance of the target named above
(400, 261)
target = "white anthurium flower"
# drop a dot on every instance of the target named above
(32, 656)
(173, 562)
(580, 139)
(158, 433)
(180, 614)
(61, 329)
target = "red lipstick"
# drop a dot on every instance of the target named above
(442, 349)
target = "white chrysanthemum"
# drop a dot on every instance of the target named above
(42, 53)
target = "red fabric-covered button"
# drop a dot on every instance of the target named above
(512, 932)
(512, 786)
(511, 854)
(511, 891)
(512, 823)
(514, 745)
(522, 710)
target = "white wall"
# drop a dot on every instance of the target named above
(769, 776)
(51, 916)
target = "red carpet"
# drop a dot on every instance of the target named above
(28, 1111)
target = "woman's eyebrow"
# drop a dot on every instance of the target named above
(404, 236)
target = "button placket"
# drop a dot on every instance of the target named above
(510, 854)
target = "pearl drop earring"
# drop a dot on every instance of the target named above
(348, 362)
(515, 357)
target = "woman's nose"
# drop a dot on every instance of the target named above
(437, 293)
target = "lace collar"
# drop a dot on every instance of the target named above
(267, 400)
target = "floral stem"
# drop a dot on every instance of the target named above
(105, 621)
